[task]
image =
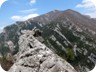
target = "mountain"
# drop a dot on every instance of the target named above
(67, 33)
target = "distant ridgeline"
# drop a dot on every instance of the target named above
(67, 33)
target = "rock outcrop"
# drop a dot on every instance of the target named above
(33, 56)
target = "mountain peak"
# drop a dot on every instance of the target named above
(55, 11)
(71, 11)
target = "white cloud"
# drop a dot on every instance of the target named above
(23, 18)
(1, 2)
(28, 11)
(92, 14)
(32, 2)
(1, 29)
(89, 6)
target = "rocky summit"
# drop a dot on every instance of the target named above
(33, 56)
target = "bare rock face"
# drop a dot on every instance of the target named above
(33, 56)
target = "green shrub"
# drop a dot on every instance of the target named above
(70, 54)
(4, 50)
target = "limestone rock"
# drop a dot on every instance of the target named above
(33, 56)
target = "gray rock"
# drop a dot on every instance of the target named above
(33, 56)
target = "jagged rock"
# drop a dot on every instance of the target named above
(10, 45)
(33, 56)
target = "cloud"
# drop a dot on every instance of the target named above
(1, 29)
(1, 2)
(92, 14)
(32, 2)
(23, 18)
(89, 6)
(28, 11)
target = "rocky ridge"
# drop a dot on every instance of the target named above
(33, 56)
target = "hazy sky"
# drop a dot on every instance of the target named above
(17, 10)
